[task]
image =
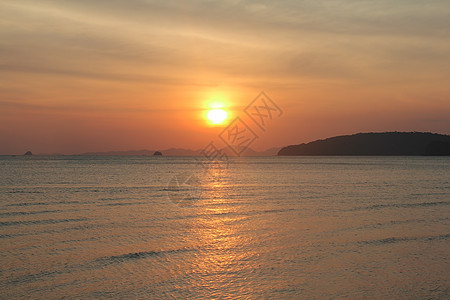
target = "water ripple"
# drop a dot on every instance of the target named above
(141, 255)
(405, 239)
(42, 222)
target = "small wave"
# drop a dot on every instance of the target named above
(392, 240)
(266, 211)
(378, 225)
(28, 278)
(27, 204)
(5, 236)
(23, 192)
(230, 214)
(79, 240)
(278, 210)
(116, 198)
(140, 255)
(41, 222)
(21, 213)
(47, 203)
(402, 205)
(123, 203)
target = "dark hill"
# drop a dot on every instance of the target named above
(386, 143)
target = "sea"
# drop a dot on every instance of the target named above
(157, 227)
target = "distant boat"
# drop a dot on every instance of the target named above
(157, 153)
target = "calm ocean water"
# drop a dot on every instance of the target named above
(271, 227)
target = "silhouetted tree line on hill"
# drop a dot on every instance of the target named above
(386, 143)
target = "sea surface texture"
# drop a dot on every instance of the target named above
(183, 227)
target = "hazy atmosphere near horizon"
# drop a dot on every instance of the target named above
(208, 149)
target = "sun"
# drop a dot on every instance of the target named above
(217, 116)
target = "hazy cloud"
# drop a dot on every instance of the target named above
(147, 54)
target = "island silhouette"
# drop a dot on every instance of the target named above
(181, 152)
(375, 143)
(371, 143)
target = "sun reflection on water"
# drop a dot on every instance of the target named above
(223, 261)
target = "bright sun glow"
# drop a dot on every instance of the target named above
(217, 116)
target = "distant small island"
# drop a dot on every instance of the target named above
(28, 153)
(183, 152)
(384, 143)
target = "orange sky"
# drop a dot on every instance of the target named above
(78, 76)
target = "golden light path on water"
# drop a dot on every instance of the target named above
(221, 233)
(232, 248)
